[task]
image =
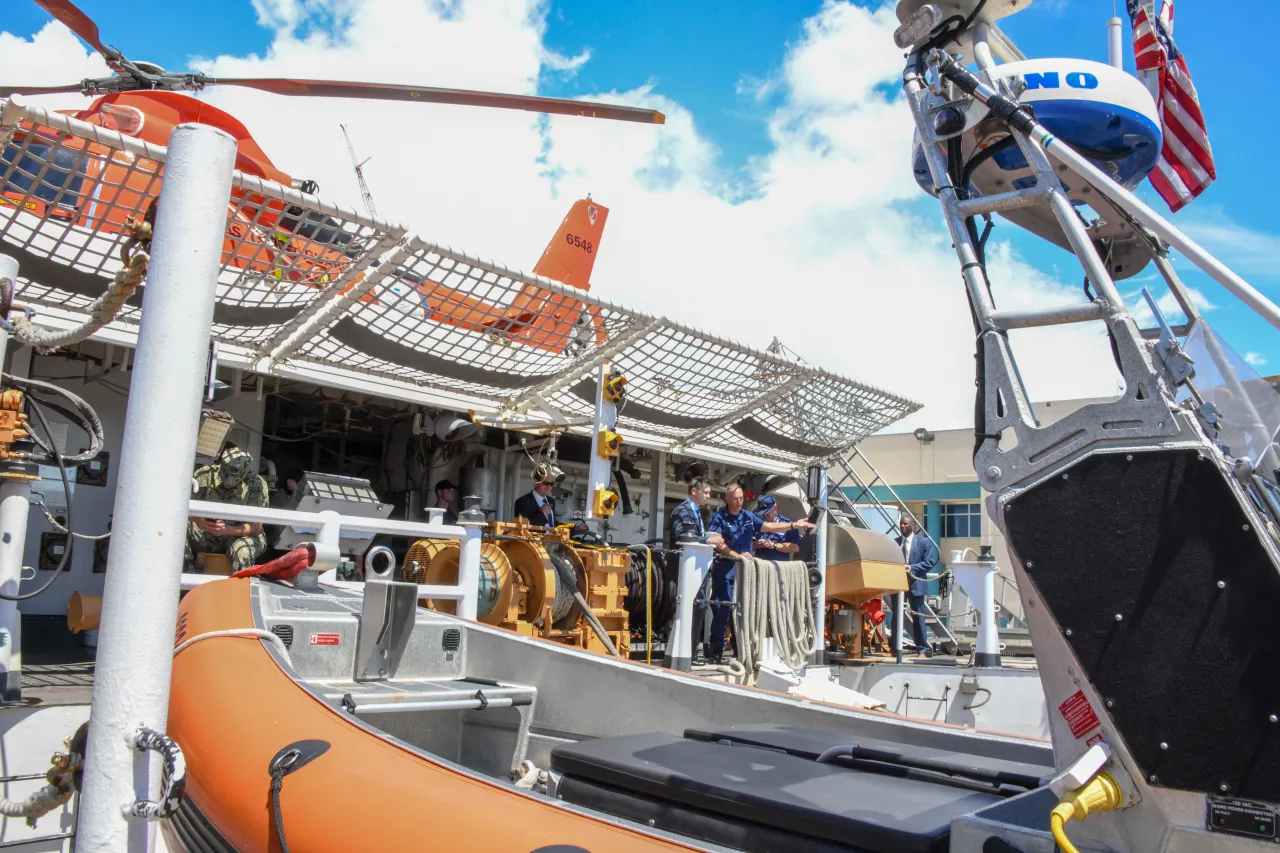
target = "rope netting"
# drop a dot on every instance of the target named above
(310, 284)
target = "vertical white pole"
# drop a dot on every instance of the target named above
(140, 601)
(14, 505)
(695, 562)
(818, 654)
(657, 493)
(15, 501)
(987, 653)
(1115, 43)
(469, 569)
(899, 612)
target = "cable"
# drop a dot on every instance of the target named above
(88, 415)
(251, 633)
(1101, 793)
(66, 488)
(53, 522)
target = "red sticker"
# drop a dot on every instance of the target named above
(325, 639)
(1079, 715)
(1095, 739)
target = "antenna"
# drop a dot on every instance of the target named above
(359, 167)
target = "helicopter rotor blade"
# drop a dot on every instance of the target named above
(5, 91)
(426, 94)
(79, 23)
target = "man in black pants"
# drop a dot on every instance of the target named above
(920, 557)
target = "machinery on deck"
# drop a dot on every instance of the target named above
(537, 583)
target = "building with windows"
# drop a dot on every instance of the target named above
(931, 472)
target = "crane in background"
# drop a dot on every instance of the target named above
(359, 167)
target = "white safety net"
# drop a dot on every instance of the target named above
(309, 284)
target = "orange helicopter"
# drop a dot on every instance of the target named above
(265, 235)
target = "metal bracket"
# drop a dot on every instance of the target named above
(386, 622)
(1177, 362)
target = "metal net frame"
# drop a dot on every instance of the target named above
(308, 284)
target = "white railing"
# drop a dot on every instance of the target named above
(329, 526)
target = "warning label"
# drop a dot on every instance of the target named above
(324, 639)
(1078, 713)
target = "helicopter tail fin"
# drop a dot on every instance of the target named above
(571, 254)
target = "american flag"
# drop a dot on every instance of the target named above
(1186, 166)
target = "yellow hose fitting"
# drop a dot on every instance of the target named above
(1100, 794)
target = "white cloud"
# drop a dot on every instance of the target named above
(828, 248)
(1254, 359)
(1247, 251)
(1166, 302)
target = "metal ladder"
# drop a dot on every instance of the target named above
(848, 510)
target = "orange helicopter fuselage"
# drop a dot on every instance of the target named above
(268, 237)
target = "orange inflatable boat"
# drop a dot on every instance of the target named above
(316, 722)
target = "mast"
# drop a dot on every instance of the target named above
(358, 165)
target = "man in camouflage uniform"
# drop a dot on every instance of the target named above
(231, 480)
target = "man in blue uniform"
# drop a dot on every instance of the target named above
(777, 546)
(739, 528)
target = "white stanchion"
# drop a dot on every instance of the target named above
(140, 601)
(695, 562)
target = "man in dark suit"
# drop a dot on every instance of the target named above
(920, 557)
(535, 506)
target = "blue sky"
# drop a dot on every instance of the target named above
(710, 57)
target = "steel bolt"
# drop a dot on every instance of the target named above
(993, 472)
(1030, 564)
(1164, 745)
(1224, 787)
(1068, 632)
(1152, 778)
(1119, 617)
(1128, 457)
(1245, 528)
(1222, 584)
(1111, 703)
(1273, 718)
(1066, 476)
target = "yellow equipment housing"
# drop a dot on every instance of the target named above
(521, 588)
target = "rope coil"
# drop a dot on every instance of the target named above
(771, 599)
(136, 257)
(63, 779)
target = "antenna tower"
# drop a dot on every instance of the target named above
(359, 167)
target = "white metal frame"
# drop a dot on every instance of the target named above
(329, 527)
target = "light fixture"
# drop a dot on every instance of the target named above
(214, 427)
(813, 484)
(923, 435)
